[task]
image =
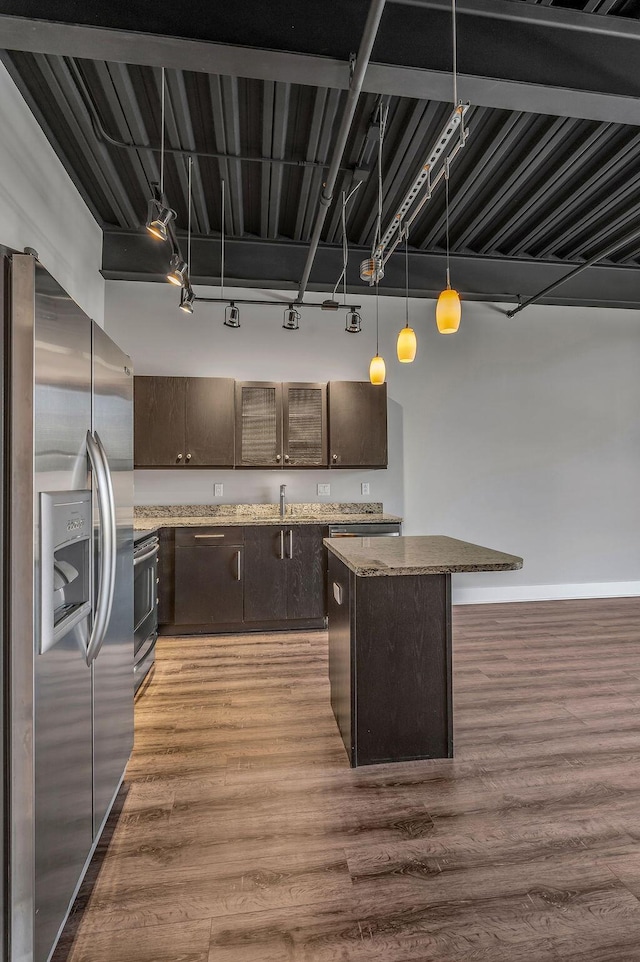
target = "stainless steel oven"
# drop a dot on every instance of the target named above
(145, 604)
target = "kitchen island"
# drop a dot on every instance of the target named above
(390, 654)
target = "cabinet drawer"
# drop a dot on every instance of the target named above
(204, 535)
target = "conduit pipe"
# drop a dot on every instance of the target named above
(577, 270)
(362, 62)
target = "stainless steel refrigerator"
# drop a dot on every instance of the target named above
(81, 709)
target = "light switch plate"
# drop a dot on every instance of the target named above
(364, 487)
(324, 489)
(218, 490)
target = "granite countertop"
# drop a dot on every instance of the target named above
(185, 516)
(422, 555)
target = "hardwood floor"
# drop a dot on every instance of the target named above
(244, 836)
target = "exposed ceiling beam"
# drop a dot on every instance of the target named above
(129, 255)
(514, 56)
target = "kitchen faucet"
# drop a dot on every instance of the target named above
(283, 490)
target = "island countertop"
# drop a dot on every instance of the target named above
(418, 555)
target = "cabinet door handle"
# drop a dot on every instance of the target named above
(179, 458)
(208, 536)
(286, 457)
(337, 592)
(188, 457)
(290, 533)
(281, 545)
(334, 457)
(278, 457)
(239, 566)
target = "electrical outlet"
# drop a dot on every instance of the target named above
(218, 490)
(364, 487)
(324, 489)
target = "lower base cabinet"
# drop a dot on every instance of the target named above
(245, 578)
(285, 571)
(208, 577)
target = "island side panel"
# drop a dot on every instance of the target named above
(402, 682)
(340, 649)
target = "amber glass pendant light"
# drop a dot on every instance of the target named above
(448, 308)
(377, 367)
(407, 344)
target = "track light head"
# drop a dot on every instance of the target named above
(187, 300)
(178, 271)
(158, 217)
(291, 320)
(353, 323)
(231, 315)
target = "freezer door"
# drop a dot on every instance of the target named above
(62, 680)
(113, 667)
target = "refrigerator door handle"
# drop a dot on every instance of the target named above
(107, 554)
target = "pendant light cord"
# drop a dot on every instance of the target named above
(455, 52)
(377, 319)
(406, 273)
(162, 139)
(222, 243)
(446, 204)
(189, 224)
(383, 123)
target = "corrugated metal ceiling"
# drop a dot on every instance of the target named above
(525, 185)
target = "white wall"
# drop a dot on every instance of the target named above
(523, 434)
(41, 208)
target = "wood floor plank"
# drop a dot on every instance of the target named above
(245, 837)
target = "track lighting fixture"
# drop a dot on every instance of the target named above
(291, 319)
(158, 217)
(178, 271)
(231, 315)
(353, 324)
(158, 213)
(187, 299)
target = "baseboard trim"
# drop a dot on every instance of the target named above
(500, 595)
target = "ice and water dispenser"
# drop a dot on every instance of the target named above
(65, 563)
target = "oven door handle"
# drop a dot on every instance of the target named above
(149, 553)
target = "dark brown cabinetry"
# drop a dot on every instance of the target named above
(258, 424)
(208, 576)
(265, 597)
(357, 424)
(284, 573)
(280, 425)
(390, 664)
(159, 411)
(227, 578)
(184, 421)
(304, 424)
(216, 422)
(306, 571)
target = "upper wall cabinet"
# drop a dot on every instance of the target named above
(357, 424)
(304, 424)
(281, 425)
(217, 422)
(258, 424)
(183, 420)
